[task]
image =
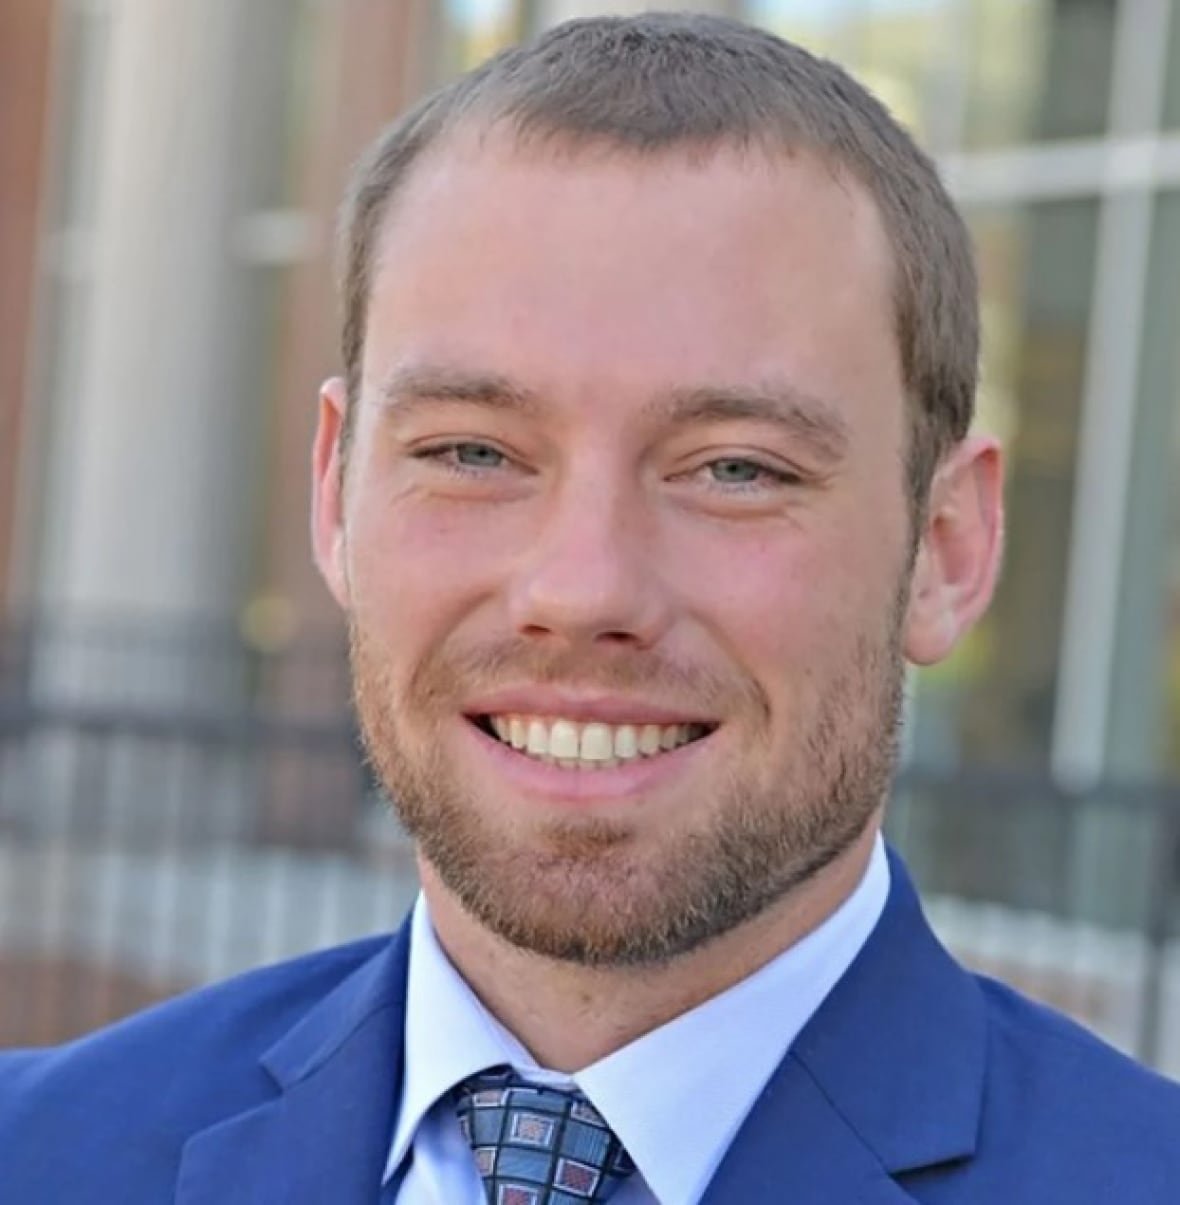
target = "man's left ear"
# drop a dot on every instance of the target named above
(959, 551)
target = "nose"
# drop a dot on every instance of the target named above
(593, 575)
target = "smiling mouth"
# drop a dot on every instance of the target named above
(574, 745)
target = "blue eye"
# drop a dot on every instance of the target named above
(477, 456)
(464, 456)
(733, 470)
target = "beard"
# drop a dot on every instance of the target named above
(584, 889)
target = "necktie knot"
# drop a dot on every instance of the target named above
(535, 1145)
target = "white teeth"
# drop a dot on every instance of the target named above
(597, 743)
(538, 740)
(563, 739)
(626, 742)
(591, 746)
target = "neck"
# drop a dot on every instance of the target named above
(568, 1016)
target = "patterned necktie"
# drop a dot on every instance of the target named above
(538, 1146)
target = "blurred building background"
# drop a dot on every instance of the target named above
(180, 794)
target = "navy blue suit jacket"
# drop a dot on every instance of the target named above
(915, 1082)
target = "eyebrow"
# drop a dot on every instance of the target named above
(409, 387)
(800, 415)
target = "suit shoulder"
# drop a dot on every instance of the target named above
(1054, 1084)
(227, 1025)
(1050, 1045)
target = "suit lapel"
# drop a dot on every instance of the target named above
(886, 1078)
(796, 1147)
(325, 1135)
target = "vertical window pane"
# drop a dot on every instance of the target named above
(898, 48)
(994, 701)
(1171, 113)
(1039, 69)
(476, 29)
(1144, 721)
(1019, 70)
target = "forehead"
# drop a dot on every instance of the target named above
(616, 268)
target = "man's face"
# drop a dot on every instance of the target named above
(626, 488)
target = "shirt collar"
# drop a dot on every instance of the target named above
(722, 1052)
(449, 1035)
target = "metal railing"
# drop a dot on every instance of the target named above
(169, 818)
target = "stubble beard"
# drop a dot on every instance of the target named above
(580, 890)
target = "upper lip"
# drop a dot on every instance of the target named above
(585, 708)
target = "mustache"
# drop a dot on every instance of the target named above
(451, 673)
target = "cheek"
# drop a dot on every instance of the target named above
(418, 564)
(788, 605)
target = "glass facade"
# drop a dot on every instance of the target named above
(1144, 728)
(1076, 669)
(994, 700)
(1053, 120)
(475, 29)
(1031, 106)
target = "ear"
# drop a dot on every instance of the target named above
(327, 490)
(959, 551)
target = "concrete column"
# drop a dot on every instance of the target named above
(142, 506)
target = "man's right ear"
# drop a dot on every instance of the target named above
(327, 490)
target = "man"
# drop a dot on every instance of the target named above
(649, 469)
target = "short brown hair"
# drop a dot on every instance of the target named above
(663, 81)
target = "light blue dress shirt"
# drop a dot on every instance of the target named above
(719, 1054)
